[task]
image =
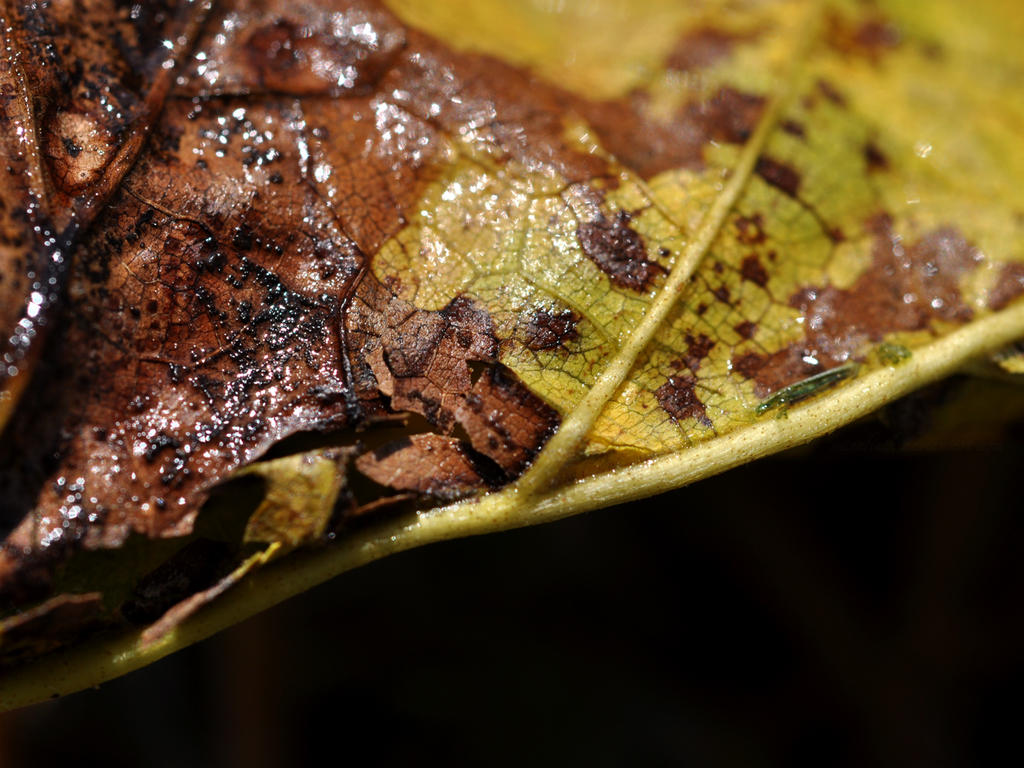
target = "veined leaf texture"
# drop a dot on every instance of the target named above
(406, 271)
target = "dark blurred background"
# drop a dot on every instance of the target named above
(833, 607)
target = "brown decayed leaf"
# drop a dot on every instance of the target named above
(223, 301)
(80, 84)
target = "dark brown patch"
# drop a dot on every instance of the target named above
(723, 294)
(906, 288)
(547, 331)
(793, 128)
(830, 92)
(874, 159)
(729, 115)
(749, 364)
(787, 179)
(751, 269)
(933, 50)
(619, 252)
(746, 329)
(649, 146)
(1008, 287)
(778, 174)
(868, 38)
(697, 348)
(702, 47)
(678, 398)
(750, 229)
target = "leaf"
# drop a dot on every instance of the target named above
(97, 102)
(302, 492)
(517, 263)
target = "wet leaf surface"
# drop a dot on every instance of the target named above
(422, 255)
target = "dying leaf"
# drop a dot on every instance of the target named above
(515, 263)
(78, 94)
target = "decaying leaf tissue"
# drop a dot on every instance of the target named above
(285, 277)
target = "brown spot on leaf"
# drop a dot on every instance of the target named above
(546, 330)
(874, 159)
(680, 401)
(1009, 285)
(649, 145)
(619, 252)
(778, 174)
(748, 365)
(793, 128)
(906, 288)
(746, 329)
(700, 48)
(869, 37)
(830, 92)
(750, 229)
(697, 348)
(933, 50)
(751, 269)
(723, 294)
(730, 115)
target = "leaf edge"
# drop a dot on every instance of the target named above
(89, 665)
